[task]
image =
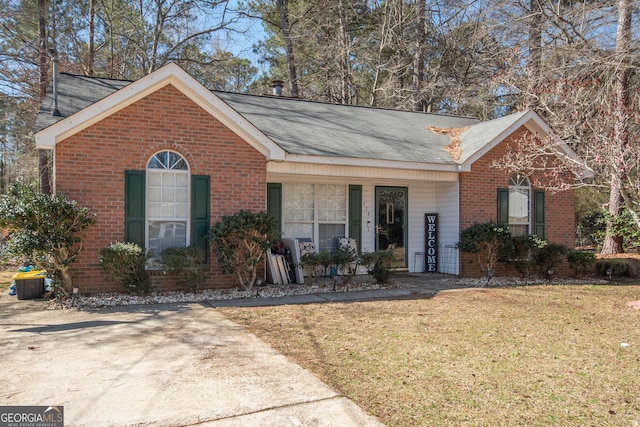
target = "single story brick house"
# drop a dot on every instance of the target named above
(161, 159)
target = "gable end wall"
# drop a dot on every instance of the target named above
(478, 204)
(90, 168)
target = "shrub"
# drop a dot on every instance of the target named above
(346, 261)
(548, 257)
(45, 229)
(318, 262)
(613, 267)
(520, 251)
(323, 263)
(581, 262)
(488, 241)
(378, 264)
(187, 263)
(240, 242)
(125, 263)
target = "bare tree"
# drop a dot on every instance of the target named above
(620, 138)
(585, 92)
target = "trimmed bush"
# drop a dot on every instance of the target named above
(240, 242)
(346, 262)
(48, 230)
(187, 263)
(520, 252)
(325, 263)
(125, 263)
(318, 262)
(581, 262)
(613, 267)
(378, 264)
(488, 241)
(548, 257)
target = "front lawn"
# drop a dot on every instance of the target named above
(564, 355)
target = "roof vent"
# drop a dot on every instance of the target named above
(277, 86)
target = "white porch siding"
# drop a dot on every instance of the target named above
(439, 196)
(433, 197)
(447, 201)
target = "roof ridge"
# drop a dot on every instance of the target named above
(286, 98)
(95, 77)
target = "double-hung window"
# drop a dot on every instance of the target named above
(167, 202)
(516, 208)
(519, 202)
(165, 205)
(315, 211)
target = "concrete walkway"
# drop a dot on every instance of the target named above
(171, 364)
(419, 286)
(161, 365)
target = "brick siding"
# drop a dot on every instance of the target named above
(479, 204)
(90, 168)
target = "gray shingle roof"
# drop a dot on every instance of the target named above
(74, 94)
(313, 128)
(320, 129)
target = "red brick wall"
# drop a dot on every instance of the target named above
(479, 203)
(90, 167)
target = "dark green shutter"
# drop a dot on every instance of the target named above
(200, 212)
(503, 206)
(355, 214)
(538, 213)
(134, 187)
(274, 205)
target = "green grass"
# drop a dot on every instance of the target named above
(536, 356)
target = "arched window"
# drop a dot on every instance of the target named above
(167, 202)
(519, 205)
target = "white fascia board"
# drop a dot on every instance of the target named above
(169, 74)
(50, 136)
(370, 163)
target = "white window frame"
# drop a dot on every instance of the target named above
(289, 218)
(519, 185)
(175, 168)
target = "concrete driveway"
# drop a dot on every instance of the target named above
(157, 365)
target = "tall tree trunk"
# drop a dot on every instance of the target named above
(612, 242)
(418, 57)
(43, 155)
(92, 54)
(535, 52)
(285, 28)
(345, 51)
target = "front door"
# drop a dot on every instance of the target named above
(391, 220)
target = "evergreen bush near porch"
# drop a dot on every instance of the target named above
(378, 264)
(488, 240)
(240, 242)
